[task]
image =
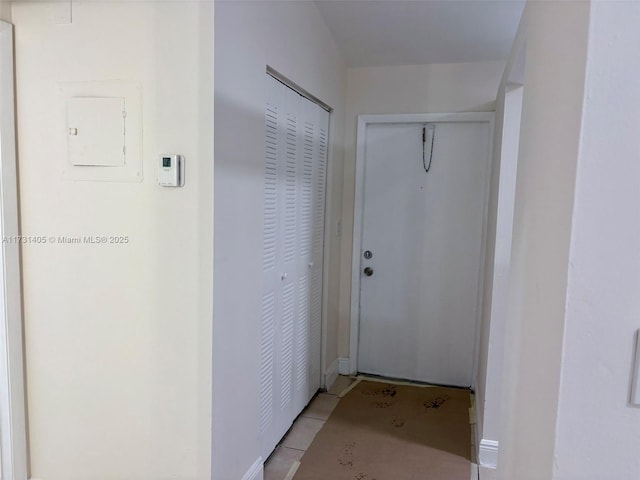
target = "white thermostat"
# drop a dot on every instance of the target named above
(171, 171)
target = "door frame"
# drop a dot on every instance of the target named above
(363, 122)
(13, 435)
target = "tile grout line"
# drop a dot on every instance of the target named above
(294, 448)
(314, 418)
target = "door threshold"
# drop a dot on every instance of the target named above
(404, 381)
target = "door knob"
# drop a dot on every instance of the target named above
(368, 271)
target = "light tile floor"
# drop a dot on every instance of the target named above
(305, 428)
(486, 473)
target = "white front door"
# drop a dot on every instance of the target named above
(422, 239)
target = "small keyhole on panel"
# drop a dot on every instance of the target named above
(368, 255)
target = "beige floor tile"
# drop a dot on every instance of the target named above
(342, 382)
(321, 407)
(474, 472)
(487, 473)
(280, 463)
(302, 433)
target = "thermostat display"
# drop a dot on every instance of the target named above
(171, 171)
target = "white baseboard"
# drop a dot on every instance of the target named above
(344, 367)
(331, 374)
(255, 472)
(488, 453)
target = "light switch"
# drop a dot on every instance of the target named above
(96, 131)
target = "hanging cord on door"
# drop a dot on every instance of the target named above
(432, 129)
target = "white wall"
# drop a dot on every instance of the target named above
(292, 38)
(5, 10)
(437, 88)
(597, 432)
(118, 338)
(556, 45)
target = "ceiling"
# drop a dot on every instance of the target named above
(400, 32)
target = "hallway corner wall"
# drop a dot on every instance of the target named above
(117, 335)
(598, 429)
(506, 144)
(554, 78)
(291, 38)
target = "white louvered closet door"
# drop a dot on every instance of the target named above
(316, 134)
(295, 162)
(270, 288)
